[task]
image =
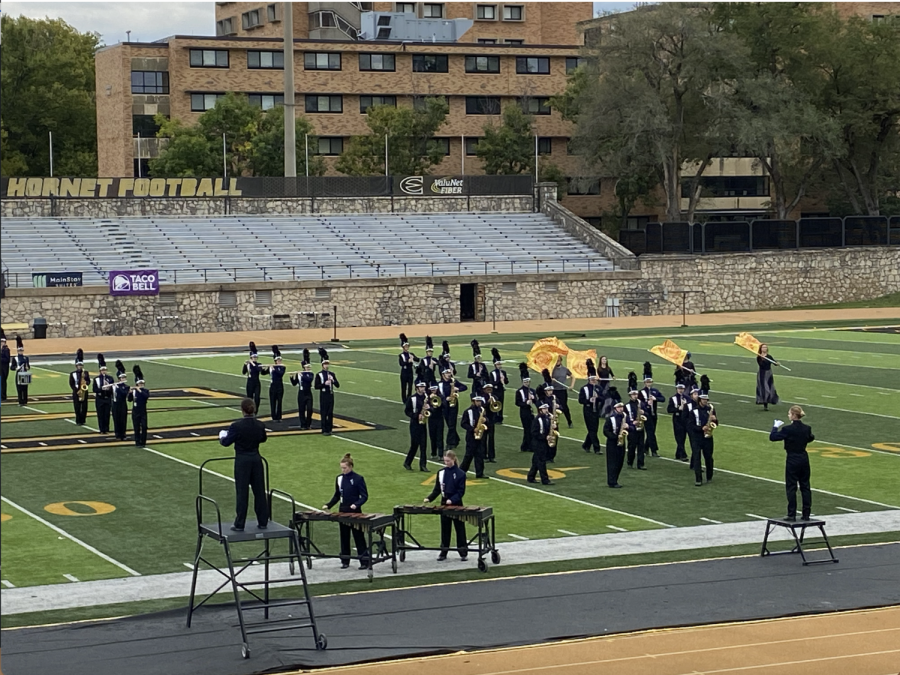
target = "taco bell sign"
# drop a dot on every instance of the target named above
(141, 282)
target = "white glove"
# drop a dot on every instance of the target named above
(223, 434)
(778, 424)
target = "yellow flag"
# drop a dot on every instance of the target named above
(669, 351)
(577, 362)
(544, 352)
(748, 342)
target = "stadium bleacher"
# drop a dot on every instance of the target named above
(256, 248)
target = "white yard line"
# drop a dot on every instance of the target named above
(196, 400)
(571, 534)
(844, 508)
(515, 536)
(6, 583)
(616, 528)
(70, 577)
(710, 520)
(78, 541)
(753, 515)
(83, 426)
(28, 407)
(190, 566)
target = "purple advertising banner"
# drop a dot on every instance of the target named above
(134, 282)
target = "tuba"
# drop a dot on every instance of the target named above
(495, 405)
(481, 427)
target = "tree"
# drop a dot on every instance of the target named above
(508, 149)
(550, 173)
(648, 98)
(267, 153)
(47, 78)
(12, 163)
(412, 150)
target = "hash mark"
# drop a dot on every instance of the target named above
(617, 529)
(844, 508)
(515, 536)
(571, 534)
(70, 577)
(6, 583)
(753, 515)
(710, 520)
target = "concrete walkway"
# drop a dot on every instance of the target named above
(177, 585)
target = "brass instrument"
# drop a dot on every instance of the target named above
(435, 401)
(83, 389)
(711, 426)
(495, 405)
(623, 435)
(454, 395)
(425, 414)
(553, 436)
(481, 427)
(639, 420)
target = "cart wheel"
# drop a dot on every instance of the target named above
(321, 642)
(394, 565)
(402, 556)
(309, 563)
(495, 557)
(482, 566)
(291, 568)
(245, 651)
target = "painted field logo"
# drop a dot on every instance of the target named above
(143, 282)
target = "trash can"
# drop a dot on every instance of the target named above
(40, 328)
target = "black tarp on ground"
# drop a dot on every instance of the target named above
(453, 617)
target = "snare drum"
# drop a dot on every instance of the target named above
(23, 377)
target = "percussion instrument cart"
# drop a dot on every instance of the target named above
(484, 542)
(376, 527)
(225, 537)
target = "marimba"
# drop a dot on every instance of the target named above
(375, 526)
(482, 517)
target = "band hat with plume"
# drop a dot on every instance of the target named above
(618, 404)
(20, 347)
(305, 361)
(276, 353)
(632, 382)
(523, 372)
(544, 405)
(138, 375)
(101, 360)
(404, 342)
(323, 355)
(495, 353)
(446, 347)
(476, 350)
(591, 370)
(648, 371)
(120, 369)
(704, 384)
(79, 357)
(253, 351)
(429, 344)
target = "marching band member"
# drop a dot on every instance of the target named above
(796, 437)
(120, 402)
(676, 409)
(684, 374)
(540, 447)
(350, 490)
(249, 472)
(605, 375)
(450, 484)
(500, 380)
(693, 402)
(589, 398)
(651, 397)
(304, 380)
(428, 363)
(702, 417)
(490, 418)
(615, 452)
(326, 382)
(276, 387)
(139, 396)
(5, 358)
(553, 404)
(525, 399)
(78, 382)
(252, 370)
(444, 358)
(765, 380)
(477, 370)
(103, 386)
(634, 410)
(416, 406)
(436, 423)
(22, 364)
(474, 446)
(406, 361)
(449, 389)
(562, 380)
(541, 392)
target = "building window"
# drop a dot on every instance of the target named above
(482, 105)
(323, 293)
(486, 12)
(728, 186)
(432, 11)
(508, 287)
(430, 63)
(204, 102)
(612, 307)
(266, 101)
(514, 42)
(168, 299)
(572, 62)
(321, 61)
(440, 290)
(272, 13)
(482, 64)
(532, 65)
(405, 7)
(265, 60)
(472, 145)
(141, 167)
(487, 41)
(149, 82)
(366, 102)
(513, 12)
(376, 62)
(324, 104)
(444, 144)
(250, 19)
(262, 298)
(419, 101)
(227, 298)
(209, 58)
(144, 126)
(535, 105)
(584, 186)
(551, 286)
(330, 145)
(545, 145)
(225, 27)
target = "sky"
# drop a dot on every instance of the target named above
(149, 21)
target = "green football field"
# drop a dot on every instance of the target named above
(79, 511)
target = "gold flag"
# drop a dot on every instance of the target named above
(748, 342)
(544, 352)
(669, 351)
(577, 362)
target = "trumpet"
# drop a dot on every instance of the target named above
(495, 405)
(435, 401)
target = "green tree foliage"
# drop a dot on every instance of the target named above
(47, 81)
(410, 132)
(12, 162)
(254, 142)
(550, 173)
(508, 149)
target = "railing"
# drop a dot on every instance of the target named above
(369, 271)
(762, 235)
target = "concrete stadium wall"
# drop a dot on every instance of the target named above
(728, 282)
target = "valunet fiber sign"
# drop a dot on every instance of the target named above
(142, 282)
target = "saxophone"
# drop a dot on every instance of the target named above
(426, 413)
(623, 434)
(83, 389)
(481, 427)
(454, 395)
(710, 425)
(553, 436)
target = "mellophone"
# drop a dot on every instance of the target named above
(374, 525)
(483, 542)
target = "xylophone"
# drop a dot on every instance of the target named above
(482, 517)
(374, 525)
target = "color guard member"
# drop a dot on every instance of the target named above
(765, 380)
(562, 380)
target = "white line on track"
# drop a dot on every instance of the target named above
(70, 577)
(78, 541)
(710, 520)
(85, 426)
(844, 508)
(195, 434)
(515, 536)
(195, 400)
(28, 407)
(83, 442)
(6, 583)
(571, 534)
(616, 528)
(41, 443)
(753, 515)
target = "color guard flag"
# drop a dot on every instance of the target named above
(748, 342)
(669, 351)
(577, 362)
(544, 352)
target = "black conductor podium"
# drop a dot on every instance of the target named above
(792, 526)
(259, 543)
